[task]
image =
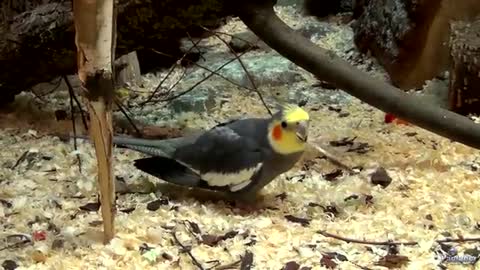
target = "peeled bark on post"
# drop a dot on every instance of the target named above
(95, 30)
(464, 94)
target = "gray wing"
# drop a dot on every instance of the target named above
(222, 157)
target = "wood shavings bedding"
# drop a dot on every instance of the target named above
(434, 194)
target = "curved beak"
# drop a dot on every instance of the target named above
(302, 131)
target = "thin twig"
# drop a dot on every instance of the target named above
(211, 71)
(72, 94)
(234, 36)
(250, 78)
(386, 243)
(55, 87)
(122, 109)
(187, 250)
(195, 45)
(159, 85)
(20, 159)
(168, 74)
(365, 242)
(72, 115)
(199, 82)
(459, 240)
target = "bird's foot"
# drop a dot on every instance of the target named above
(248, 205)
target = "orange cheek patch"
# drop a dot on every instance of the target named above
(277, 132)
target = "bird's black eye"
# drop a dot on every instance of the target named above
(284, 124)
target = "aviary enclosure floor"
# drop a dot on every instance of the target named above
(434, 194)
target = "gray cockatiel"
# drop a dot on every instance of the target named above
(238, 157)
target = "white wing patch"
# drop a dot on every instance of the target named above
(237, 187)
(236, 181)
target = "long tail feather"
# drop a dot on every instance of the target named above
(168, 170)
(162, 148)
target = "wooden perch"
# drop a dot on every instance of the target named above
(95, 40)
(260, 17)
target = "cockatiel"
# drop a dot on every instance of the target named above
(238, 157)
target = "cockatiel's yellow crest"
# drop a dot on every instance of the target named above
(288, 131)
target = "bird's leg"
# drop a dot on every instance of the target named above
(248, 203)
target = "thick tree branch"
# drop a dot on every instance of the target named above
(260, 17)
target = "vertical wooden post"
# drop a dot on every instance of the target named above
(95, 28)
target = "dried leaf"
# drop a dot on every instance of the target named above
(127, 210)
(95, 223)
(330, 209)
(213, 240)
(327, 262)
(58, 243)
(312, 204)
(333, 175)
(155, 205)
(90, 207)
(336, 256)
(144, 247)
(9, 265)
(303, 221)
(393, 261)
(380, 177)
(291, 266)
(343, 142)
(334, 109)
(167, 256)
(351, 197)
(6, 203)
(368, 199)
(247, 261)
(194, 227)
(360, 148)
(282, 196)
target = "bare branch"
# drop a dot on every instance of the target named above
(202, 80)
(72, 94)
(250, 78)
